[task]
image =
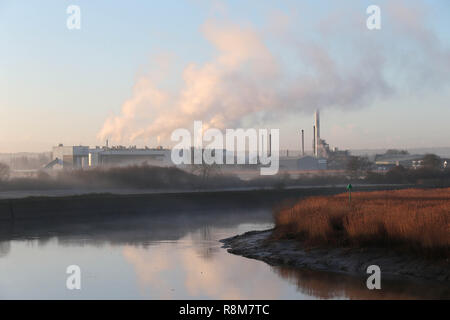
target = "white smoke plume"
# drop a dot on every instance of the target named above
(343, 65)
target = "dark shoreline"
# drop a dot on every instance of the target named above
(98, 205)
(352, 261)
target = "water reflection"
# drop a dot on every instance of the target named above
(138, 230)
(203, 271)
(166, 256)
(324, 285)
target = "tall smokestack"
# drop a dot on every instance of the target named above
(303, 142)
(317, 134)
(314, 140)
(317, 122)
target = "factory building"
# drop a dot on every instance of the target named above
(305, 163)
(70, 156)
(77, 157)
(118, 156)
(312, 163)
(385, 162)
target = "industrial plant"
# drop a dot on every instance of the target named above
(320, 158)
(78, 157)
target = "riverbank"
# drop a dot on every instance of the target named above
(56, 204)
(353, 261)
(68, 192)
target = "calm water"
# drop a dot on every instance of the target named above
(174, 256)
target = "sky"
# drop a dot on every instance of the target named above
(137, 70)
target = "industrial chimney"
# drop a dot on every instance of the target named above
(314, 140)
(303, 142)
(317, 133)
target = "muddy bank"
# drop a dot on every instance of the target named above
(353, 261)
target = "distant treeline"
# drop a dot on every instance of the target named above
(402, 175)
(151, 177)
(138, 176)
(26, 161)
(165, 178)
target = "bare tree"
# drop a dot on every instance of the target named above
(205, 170)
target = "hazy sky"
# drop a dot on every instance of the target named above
(138, 69)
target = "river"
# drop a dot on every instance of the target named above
(166, 256)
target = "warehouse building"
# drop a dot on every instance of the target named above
(77, 157)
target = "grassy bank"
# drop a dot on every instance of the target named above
(409, 220)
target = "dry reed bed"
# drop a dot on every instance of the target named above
(413, 219)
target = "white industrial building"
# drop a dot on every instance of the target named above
(70, 156)
(77, 157)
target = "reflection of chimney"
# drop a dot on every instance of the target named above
(314, 140)
(303, 142)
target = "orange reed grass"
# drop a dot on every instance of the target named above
(411, 219)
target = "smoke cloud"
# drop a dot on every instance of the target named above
(340, 64)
